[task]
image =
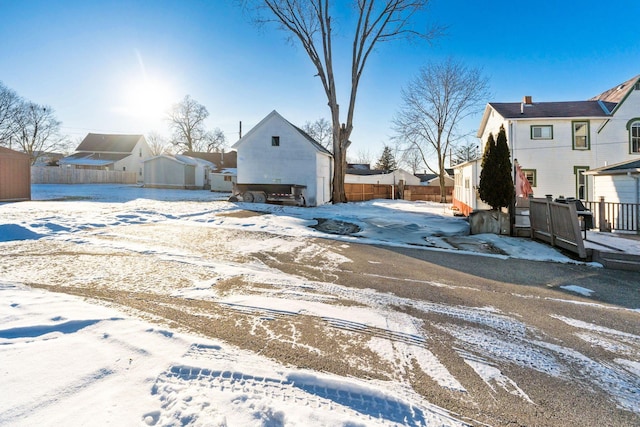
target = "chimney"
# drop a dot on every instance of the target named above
(526, 100)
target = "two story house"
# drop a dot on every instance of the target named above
(555, 143)
(110, 152)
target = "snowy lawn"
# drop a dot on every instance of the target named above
(153, 263)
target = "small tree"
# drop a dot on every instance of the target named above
(387, 160)
(496, 183)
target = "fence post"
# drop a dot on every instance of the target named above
(602, 220)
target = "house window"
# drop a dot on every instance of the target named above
(581, 181)
(542, 132)
(140, 172)
(124, 169)
(140, 155)
(634, 134)
(580, 135)
(275, 141)
(530, 174)
(228, 178)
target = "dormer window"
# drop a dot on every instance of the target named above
(275, 141)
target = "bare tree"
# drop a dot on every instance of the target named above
(311, 23)
(158, 144)
(10, 104)
(363, 157)
(186, 121)
(321, 131)
(411, 158)
(434, 103)
(465, 152)
(37, 130)
(215, 141)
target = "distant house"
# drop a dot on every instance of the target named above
(618, 183)
(362, 174)
(556, 143)
(110, 152)
(225, 173)
(432, 180)
(15, 175)
(177, 171)
(277, 153)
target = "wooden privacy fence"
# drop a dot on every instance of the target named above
(58, 175)
(364, 192)
(556, 224)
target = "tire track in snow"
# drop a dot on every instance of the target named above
(302, 390)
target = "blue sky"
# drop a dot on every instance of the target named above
(115, 66)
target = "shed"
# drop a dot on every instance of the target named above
(165, 171)
(15, 175)
(277, 153)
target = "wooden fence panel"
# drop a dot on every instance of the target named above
(58, 175)
(364, 192)
(556, 224)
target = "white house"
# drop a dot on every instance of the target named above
(277, 152)
(111, 152)
(555, 143)
(381, 177)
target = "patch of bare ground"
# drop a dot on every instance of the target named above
(240, 214)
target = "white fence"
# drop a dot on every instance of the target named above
(58, 175)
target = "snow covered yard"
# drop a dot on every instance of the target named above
(178, 308)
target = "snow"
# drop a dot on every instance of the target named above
(97, 364)
(578, 290)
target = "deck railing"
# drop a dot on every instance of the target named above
(610, 216)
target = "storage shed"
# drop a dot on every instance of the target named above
(177, 172)
(15, 175)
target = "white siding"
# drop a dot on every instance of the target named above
(295, 161)
(615, 188)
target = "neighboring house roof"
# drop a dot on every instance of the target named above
(365, 166)
(426, 177)
(618, 93)
(518, 110)
(306, 136)
(92, 159)
(106, 143)
(223, 160)
(195, 161)
(367, 172)
(632, 166)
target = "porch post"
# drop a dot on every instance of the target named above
(602, 220)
